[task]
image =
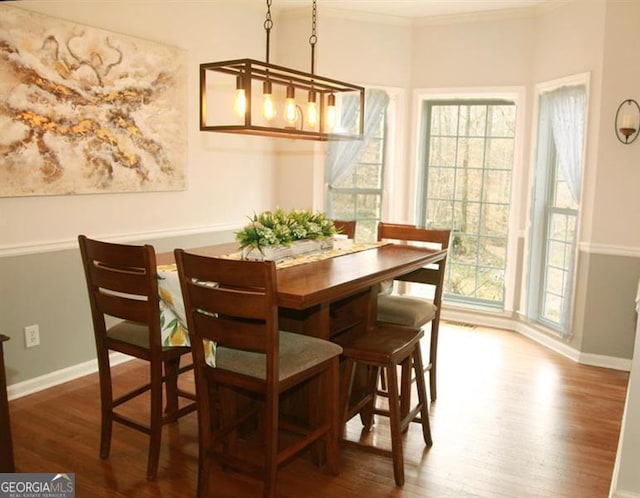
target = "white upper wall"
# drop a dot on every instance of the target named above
(365, 53)
(574, 35)
(616, 202)
(488, 53)
(229, 177)
(348, 49)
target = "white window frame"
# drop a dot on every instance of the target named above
(394, 179)
(540, 88)
(517, 207)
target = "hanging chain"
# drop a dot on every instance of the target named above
(313, 39)
(268, 24)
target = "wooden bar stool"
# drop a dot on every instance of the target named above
(122, 284)
(253, 360)
(386, 348)
(416, 311)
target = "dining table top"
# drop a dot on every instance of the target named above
(326, 280)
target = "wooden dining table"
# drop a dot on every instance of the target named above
(334, 295)
(326, 297)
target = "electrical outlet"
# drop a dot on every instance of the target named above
(31, 336)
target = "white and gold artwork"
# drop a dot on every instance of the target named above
(84, 110)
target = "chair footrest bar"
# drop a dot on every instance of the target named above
(186, 394)
(130, 395)
(367, 447)
(172, 417)
(295, 447)
(129, 422)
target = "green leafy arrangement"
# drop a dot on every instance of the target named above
(280, 227)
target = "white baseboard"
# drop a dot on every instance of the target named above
(483, 318)
(547, 341)
(595, 360)
(53, 379)
(620, 493)
(598, 360)
(504, 321)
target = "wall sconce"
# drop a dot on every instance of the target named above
(627, 121)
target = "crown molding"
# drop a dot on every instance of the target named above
(432, 20)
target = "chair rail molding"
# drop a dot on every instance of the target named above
(609, 249)
(72, 243)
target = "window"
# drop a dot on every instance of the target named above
(468, 152)
(560, 247)
(355, 170)
(555, 206)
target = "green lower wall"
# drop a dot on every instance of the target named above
(605, 318)
(49, 289)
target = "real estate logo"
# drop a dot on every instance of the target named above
(42, 485)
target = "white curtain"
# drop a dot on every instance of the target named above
(567, 113)
(343, 155)
(566, 108)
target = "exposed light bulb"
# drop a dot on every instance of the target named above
(628, 121)
(240, 105)
(290, 105)
(312, 109)
(331, 112)
(268, 107)
(240, 101)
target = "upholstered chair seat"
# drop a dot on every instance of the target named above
(297, 354)
(405, 310)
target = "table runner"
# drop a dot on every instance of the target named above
(315, 256)
(173, 322)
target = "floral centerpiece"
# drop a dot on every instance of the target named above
(279, 234)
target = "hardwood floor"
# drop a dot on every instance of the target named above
(512, 419)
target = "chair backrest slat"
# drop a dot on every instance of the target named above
(118, 255)
(345, 227)
(410, 233)
(224, 301)
(133, 282)
(124, 308)
(232, 333)
(225, 271)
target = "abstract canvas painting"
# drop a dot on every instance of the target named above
(84, 110)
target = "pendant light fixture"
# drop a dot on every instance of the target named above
(276, 101)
